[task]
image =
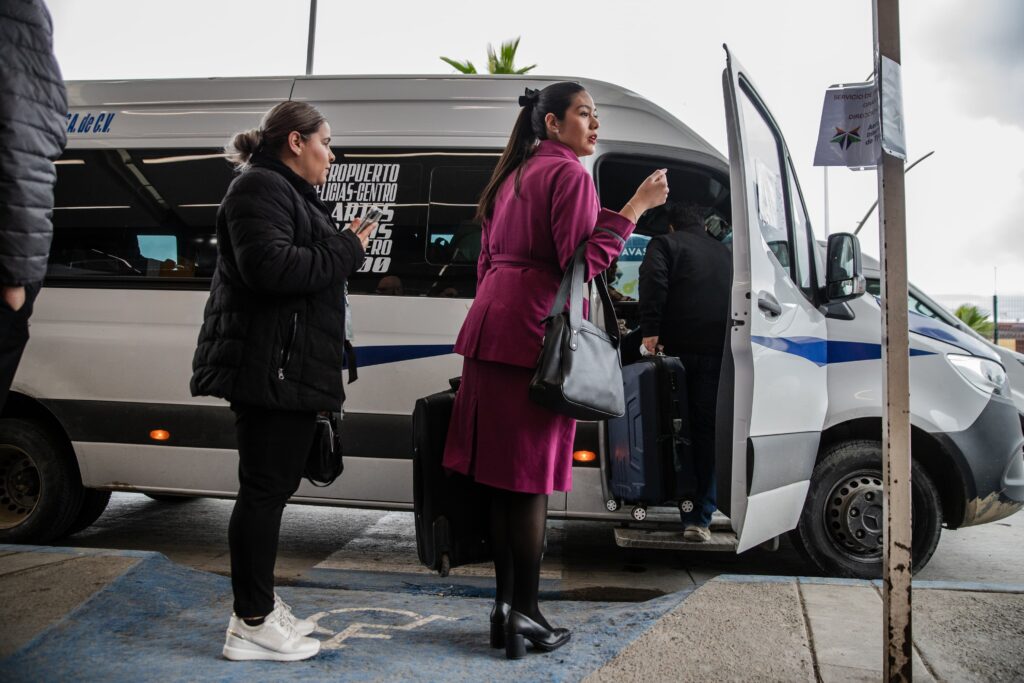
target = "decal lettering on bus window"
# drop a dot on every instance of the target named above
(354, 189)
(88, 122)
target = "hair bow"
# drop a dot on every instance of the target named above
(529, 98)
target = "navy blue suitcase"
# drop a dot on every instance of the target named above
(649, 442)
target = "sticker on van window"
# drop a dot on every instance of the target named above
(354, 189)
(768, 185)
(87, 122)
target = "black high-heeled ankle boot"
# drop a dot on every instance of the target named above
(499, 615)
(521, 628)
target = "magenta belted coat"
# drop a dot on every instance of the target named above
(497, 435)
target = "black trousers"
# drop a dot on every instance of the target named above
(13, 337)
(272, 449)
(702, 375)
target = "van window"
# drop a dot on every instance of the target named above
(133, 217)
(147, 217)
(914, 304)
(427, 242)
(803, 239)
(784, 228)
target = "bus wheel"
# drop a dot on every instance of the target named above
(840, 528)
(40, 490)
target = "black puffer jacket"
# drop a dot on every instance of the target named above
(33, 116)
(685, 285)
(274, 326)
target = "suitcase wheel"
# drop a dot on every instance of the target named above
(639, 513)
(611, 505)
(446, 565)
(686, 506)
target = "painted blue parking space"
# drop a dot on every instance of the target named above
(162, 621)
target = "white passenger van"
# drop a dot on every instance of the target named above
(101, 401)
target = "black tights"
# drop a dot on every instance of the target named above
(518, 523)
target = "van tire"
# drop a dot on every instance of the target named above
(833, 535)
(40, 489)
(93, 504)
(168, 498)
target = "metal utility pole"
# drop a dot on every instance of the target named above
(826, 203)
(312, 37)
(896, 589)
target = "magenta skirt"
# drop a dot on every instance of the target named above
(501, 438)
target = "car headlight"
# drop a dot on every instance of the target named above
(985, 374)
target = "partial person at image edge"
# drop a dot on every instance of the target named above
(33, 115)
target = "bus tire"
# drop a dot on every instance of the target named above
(840, 528)
(40, 489)
(94, 502)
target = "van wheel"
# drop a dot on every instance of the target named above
(40, 490)
(93, 504)
(840, 528)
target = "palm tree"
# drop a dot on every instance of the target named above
(975, 318)
(502, 62)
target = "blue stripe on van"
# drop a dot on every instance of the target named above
(378, 355)
(822, 352)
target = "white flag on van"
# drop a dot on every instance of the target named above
(848, 133)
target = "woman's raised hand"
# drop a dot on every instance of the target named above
(652, 192)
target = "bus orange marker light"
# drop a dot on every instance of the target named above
(160, 435)
(584, 456)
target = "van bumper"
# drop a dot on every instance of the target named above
(991, 455)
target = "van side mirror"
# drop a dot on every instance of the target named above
(844, 275)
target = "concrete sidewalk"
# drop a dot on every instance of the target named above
(70, 614)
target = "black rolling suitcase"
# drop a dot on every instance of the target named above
(648, 443)
(452, 511)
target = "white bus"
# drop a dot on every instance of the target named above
(101, 401)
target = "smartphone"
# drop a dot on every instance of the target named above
(370, 219)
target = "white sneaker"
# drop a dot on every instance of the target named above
(303, 626)
(694, 533)
(275, 640)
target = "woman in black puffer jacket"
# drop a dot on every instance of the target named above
(272, 344)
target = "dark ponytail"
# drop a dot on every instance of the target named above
(529, 128)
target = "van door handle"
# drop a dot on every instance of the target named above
(769, 304)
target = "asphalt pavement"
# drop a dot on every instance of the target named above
(74, 614)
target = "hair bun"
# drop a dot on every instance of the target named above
(529, 98)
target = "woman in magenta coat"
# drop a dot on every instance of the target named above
(539, 206)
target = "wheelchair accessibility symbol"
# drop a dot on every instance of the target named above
(383, 631)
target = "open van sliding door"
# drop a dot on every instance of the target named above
(778, 338)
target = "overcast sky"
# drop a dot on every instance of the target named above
(963, 76)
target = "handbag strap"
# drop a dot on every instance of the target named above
(572, 286)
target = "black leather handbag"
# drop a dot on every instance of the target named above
(324, 463)
(579, 372)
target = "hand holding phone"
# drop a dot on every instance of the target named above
(371, 218)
